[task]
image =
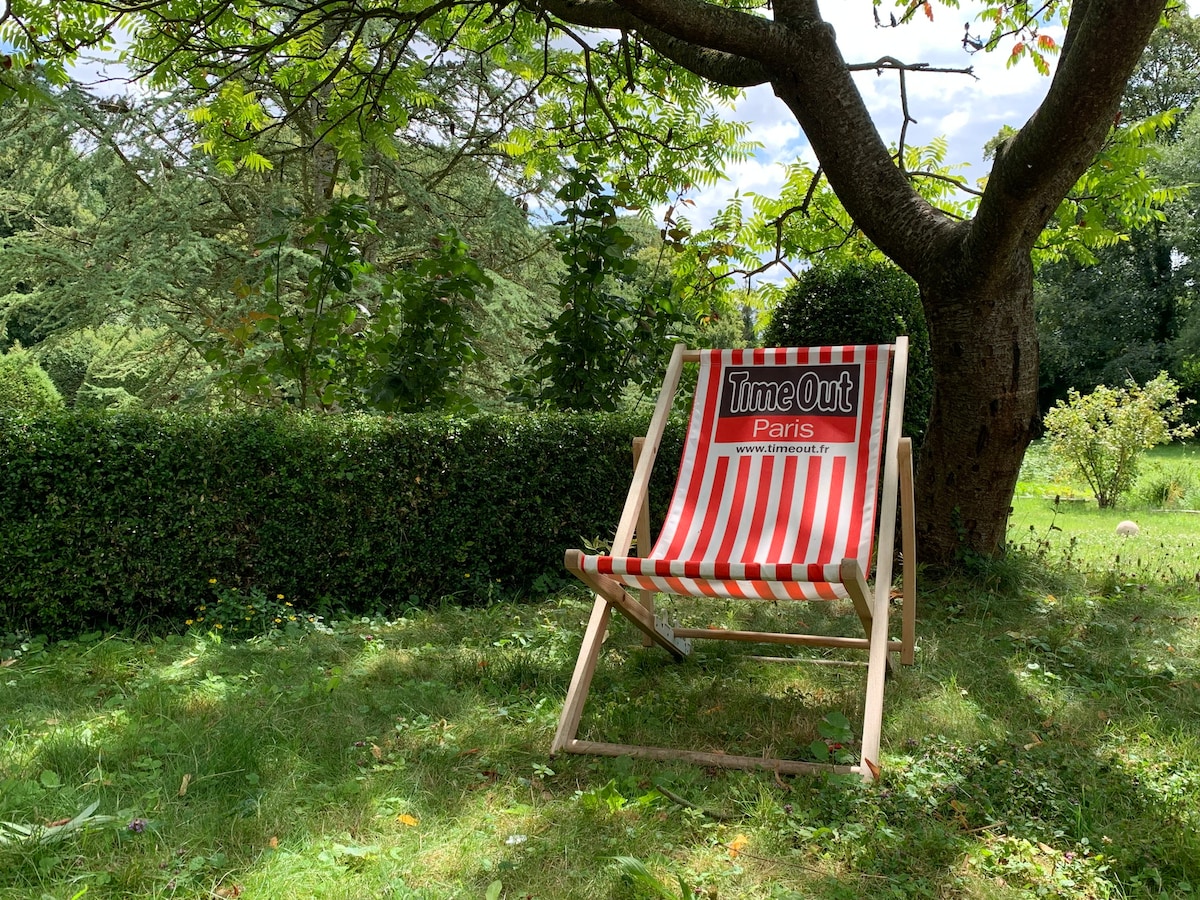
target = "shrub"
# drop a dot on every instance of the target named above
(1102, 435)
(1168, 487)
(24, 385)
(66, 362)
(861, 303)
(122, 519)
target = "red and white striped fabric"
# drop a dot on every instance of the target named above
(778, 480)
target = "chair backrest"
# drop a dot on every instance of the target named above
(782, 458)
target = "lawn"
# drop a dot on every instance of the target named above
(1046, 744)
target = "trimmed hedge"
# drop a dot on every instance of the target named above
(122, 520)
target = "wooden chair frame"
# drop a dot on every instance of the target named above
(871, 603)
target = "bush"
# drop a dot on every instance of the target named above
(121, 520)
(1168, 487)
(66, 362)
(1102, 435)
(863, 303)
(24, 385)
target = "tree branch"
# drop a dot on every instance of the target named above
(890, 62)
(1037, 168)
(719, 66)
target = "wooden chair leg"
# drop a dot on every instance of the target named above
(581, 680)
(877, 667)
(860, 593)
(646, 598)
(856, 584)
(908, 546)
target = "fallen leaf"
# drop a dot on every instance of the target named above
(1046, 848)
(873, 767)
(376, 752)
(4, 663)
(406, 819)
(1036, 740)
(737, 845)
(234, 890)
(273, 843)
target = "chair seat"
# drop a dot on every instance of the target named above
(763, 581)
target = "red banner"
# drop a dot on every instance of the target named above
(789, 404)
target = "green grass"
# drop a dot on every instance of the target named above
(1046, 744)
(1169, 479)
(1059, 522)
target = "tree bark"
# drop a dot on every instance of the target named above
(983, 342)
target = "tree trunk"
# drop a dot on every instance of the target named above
(983, 339)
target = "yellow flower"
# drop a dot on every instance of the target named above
(218, 625)
(277, 619)
(279, 596)
(187, 622)
(212, 581)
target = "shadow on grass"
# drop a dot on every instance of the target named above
(1041, 745)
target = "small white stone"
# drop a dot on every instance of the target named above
(1127, 528)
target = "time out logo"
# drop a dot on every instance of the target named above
(787, 404)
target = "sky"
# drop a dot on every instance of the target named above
(968, 111)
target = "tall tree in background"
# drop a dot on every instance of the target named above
(1122, 311)
(1168, 74)
(642, 66)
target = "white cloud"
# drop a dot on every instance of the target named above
(967, 110)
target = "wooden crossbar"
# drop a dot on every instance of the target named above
(719, 760)
(773, 637)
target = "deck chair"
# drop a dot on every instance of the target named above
(775, 500)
